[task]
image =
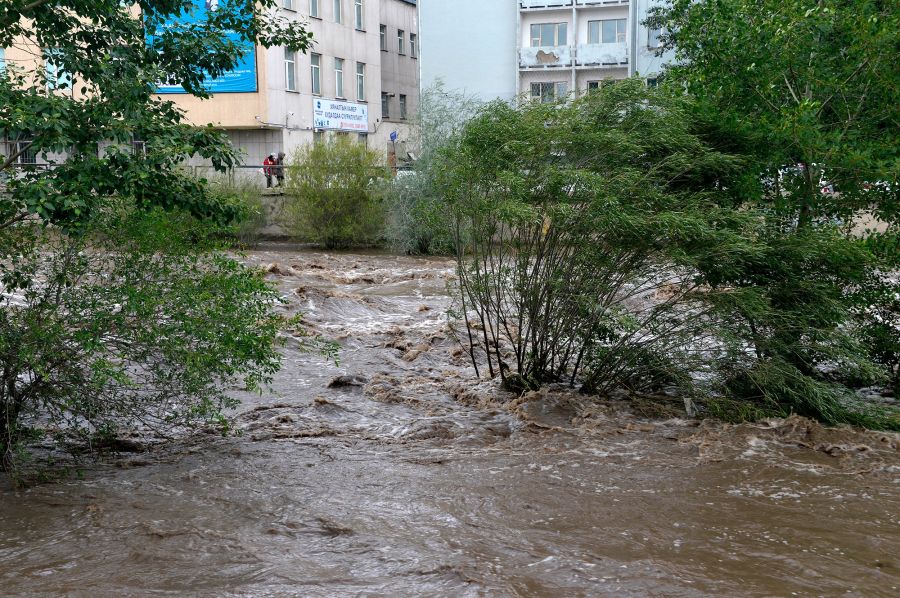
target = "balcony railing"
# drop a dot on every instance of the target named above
(546, 57)
(557, 4)
(538, 4)
(602, 55)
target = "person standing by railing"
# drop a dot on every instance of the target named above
(268, 169)
(279, 169)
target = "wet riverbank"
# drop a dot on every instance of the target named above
(411, 479)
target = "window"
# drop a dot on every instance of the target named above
(290, 70)
(610, 31)
(314, 8)
(593, 86)
(360, 82)
(315, 65)
(138, 145)
(413, 43)
(385, 105)
(401, 41)
(358, 13)
(364, 139)
(652, 82)
(2, 60)
(653, 38)
(21, 142)
(402, 106)
(57, 78)
(338, 16)
(338, 77)
(548, 92)
(384, 38)
(288, 4)
(548, 34)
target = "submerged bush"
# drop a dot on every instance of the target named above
(586, 229)
(334, 191)
(246, 201)
(130, 320)
(599, 243)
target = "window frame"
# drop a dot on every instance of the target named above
(338, 6)
(539, 27)
(290, 70)
(413, 45)
(314, 9)
(401, 42)
(339, 78)
(359, 15)
(361, 81)
(559, 90)
(403, 106)
(596, 26)
(385, 105)
(382, 30)
(315, 73)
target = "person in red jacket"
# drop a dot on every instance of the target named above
(269, 169)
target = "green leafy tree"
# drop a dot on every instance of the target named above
(115, 311)
(807, 87)
(84, 130)
(334, 193)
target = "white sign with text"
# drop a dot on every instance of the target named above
(340, 116)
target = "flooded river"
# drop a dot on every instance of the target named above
(411, 479)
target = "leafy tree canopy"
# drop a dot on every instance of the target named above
(808, 87)
(83, 123)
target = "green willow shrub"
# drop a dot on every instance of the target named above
(334, 193)
(245, 200)
(129, 321)
(585, 225)
(418, 218)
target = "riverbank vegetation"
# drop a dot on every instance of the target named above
(116, 311)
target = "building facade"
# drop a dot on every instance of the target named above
(334, 89)
(538, 48)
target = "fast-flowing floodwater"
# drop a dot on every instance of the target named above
(412, 479)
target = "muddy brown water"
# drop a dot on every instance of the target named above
(424, 482)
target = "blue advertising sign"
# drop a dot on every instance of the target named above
(394, 135)
(240, 80)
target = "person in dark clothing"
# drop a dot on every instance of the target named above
(279, 169)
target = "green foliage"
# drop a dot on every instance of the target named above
(418, 220)
(133, 321)
(586, 223)
(807, 88)
(334, 194)
(242, 197)
(85, 130)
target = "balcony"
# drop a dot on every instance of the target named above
(529, 5)
(544, 4)
(600, 3)
(600, 55)
(545, 57)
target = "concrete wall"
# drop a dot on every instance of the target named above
(471, 45)
(647, 64)
(399, 73)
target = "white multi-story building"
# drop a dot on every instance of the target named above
(540, 48)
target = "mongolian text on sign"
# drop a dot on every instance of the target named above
(340, 116)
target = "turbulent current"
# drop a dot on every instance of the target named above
(396, 473)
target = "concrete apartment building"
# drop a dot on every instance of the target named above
(538, 48)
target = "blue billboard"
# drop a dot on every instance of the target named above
(242, 79)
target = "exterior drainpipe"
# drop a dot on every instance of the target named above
(574, 51)
(632, 51)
